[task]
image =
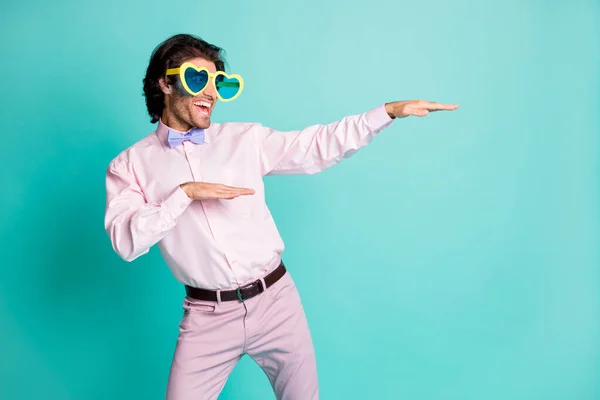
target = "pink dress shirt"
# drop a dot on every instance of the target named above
(218, 244)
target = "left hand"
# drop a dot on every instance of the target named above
(418, 108)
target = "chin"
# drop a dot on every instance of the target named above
(201, 119)
(202, 123)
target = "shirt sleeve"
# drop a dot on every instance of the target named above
(318, 147)
(133, 224)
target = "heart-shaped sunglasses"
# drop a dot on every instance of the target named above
(195, 79)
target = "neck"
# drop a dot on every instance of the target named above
(171, 120)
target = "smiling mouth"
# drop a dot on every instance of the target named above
(203, 107)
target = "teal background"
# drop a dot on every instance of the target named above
(456, 257)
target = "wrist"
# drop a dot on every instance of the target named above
(186, 188)
(389, 109)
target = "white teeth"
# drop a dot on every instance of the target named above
(202, 103)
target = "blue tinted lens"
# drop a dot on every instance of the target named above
(196, 80)
(227, 87)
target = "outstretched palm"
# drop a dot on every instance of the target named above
(418, 108)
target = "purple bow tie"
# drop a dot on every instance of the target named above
(195, 136)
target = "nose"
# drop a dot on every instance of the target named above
(210, 90)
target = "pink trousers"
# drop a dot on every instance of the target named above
(270, 327)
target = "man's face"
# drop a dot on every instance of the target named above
(189, 111)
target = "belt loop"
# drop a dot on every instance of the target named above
(218, 296)
(264, 285)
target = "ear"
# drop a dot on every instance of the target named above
(164, 86)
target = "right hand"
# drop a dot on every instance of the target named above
(206, 191)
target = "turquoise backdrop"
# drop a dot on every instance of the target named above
(456, 257)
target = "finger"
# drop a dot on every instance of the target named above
(225, 187)
(230, 194)
(432, 106)
(226, 195)
(237, 189)
(241, 191)
(417, 112)
(220, 186)
(245, 192)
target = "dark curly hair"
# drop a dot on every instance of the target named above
(171, 54)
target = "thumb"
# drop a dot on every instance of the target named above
(420, 113)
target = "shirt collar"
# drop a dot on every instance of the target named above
(163, 130)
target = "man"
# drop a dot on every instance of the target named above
(195, 188)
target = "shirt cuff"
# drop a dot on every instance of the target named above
(378, 118)
(177, 202)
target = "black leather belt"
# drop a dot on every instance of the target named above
(241, 294)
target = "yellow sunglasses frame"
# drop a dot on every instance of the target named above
(211, 77)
